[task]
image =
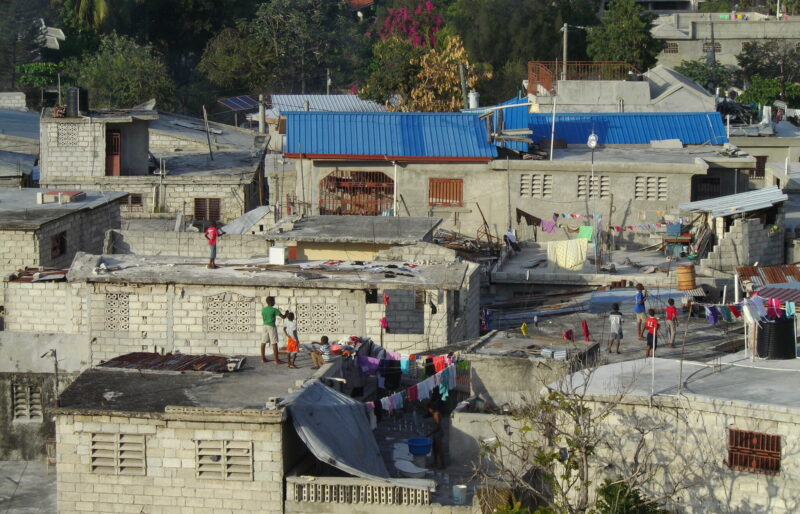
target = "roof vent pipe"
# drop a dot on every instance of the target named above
(306, 106)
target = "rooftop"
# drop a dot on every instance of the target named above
(734, 378)
(19, 124)
(758, 199)
(19, 210)
(259, 273)
(511, 344)
(358, 229)
(15, 163)
(193, 129)
(103, 115)
(425, 137)
(114, 389)
(193, 164)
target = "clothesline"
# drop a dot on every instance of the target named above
(444, 381)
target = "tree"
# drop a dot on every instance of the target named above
(770, 59)
(392, 72)
(719, 74)
(624, 35)
(437, 87)
(232, 62)
(89, 13)
(416, 21)
(506, 34)
(122, 74)
(765, 91)
(18, 37)
(552, 448)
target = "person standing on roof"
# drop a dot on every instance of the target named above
(638, 309)
(671, 322)
(615, 322)
(268, 316)
(652, 333)
(212, 234)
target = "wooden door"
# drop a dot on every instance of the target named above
(113, 153)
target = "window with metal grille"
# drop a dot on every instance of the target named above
(58, 245)
(133, 202)
(446, 192)
(118, 454)
(708, 46)
(224, 460)
(761, 167)
(754, 452)
(206, 209)
(671, 48)
(536, 185)
(651, 188)
(593, 187)
(27, 402)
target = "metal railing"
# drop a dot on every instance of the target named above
(542, 75)
(353, 490)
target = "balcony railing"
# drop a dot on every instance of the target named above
(542, 75)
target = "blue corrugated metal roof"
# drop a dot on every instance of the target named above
(406, 136)
(692, 128)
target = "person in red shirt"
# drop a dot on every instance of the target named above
(651, 325)
(671, 323)
(212, 233)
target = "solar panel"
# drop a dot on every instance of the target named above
(239, 103)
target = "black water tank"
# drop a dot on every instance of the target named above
(77, 101)
(776, 339)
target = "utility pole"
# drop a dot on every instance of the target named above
(564, 29)
(462, 75)
(328, 81)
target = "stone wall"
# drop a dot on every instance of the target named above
(170, 482)
(14, 101)
(183, 244)
(746, 242)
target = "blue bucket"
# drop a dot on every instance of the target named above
(420, 445)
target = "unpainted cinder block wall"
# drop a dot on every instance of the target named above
(170, 483)
(184, 244)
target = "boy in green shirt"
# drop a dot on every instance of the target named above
(268, 316)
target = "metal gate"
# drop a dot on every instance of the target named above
(361, 193)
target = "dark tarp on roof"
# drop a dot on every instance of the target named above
(336, 429)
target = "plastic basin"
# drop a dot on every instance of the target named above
(419, 445)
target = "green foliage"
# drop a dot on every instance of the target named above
(122, 74)
(617, 497)
(232, 62)
(764, 91)
(392, 71)
(771, 59)
(37, 74)
(506, 34)
(88, 13)
(624, 35)
(18, 37)
(719, 74)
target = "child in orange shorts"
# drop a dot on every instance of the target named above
(292, 340)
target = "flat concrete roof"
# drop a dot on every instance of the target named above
(103, 115)
(15, 163)
(193, 129)
(760, 384)
(258, 272)
(108, 389)
(226, 163)
(511, 344)
(19, 210)
(19, 124)
(358, 229)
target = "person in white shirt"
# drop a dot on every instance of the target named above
(292, 340)
(615, 323)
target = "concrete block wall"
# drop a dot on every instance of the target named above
(748, 241)
(166, 142)
(170, 484)
(44, 307)
(690, 451)
(85, 232)
(13, 100)
(418, 253)
(407, 325)
(175, 318)
(184, 244)
(84, 159)
(19, 249)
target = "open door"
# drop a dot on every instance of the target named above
(113, 153)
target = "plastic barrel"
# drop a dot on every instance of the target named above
(776, 339)
(686, 279)
(419, 445)
(459, 494)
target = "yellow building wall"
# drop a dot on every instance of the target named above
(342, 251)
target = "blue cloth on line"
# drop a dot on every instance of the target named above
(404, 365)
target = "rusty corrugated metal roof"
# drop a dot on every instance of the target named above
(785, 294)
(39, 275)
(763, 275)
(169, 362)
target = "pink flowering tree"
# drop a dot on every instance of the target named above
(415, 21)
